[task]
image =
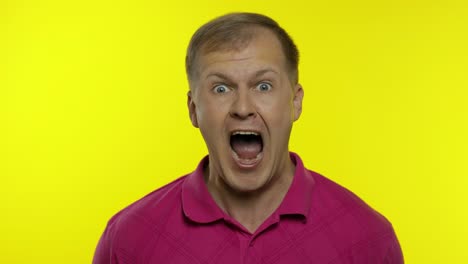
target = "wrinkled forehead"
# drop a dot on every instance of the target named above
(230, 40)
(239, 44)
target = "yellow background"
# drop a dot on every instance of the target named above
(93, 116)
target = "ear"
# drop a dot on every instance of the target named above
(297, 101)
(192, 109)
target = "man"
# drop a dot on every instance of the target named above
(250, 200)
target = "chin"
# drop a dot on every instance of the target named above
(246, 182)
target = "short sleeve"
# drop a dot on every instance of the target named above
(102, 255)
(394, 254)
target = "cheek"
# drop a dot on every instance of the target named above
(211, 112)
(279, 118)
(278, 109)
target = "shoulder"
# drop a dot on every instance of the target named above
(355, 228)
(330, 198)
(152, 207)
(129, 230)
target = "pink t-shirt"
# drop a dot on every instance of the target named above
(317, 222)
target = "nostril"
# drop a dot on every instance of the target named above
(243, 106)
(243, 112)
(242, 115)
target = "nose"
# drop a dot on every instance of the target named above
(243, 106)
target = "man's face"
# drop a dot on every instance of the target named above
(244, 103)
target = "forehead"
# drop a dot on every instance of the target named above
(263, 50)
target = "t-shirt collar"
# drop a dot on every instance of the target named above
(298, 198)
(199, 206)
(197, 203)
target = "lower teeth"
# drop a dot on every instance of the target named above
(247, 160)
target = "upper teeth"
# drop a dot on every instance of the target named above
(245, 133)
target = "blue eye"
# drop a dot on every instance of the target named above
(264, 87)
(221, 88)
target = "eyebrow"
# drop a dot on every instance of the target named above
(264, 71)
(256, 75)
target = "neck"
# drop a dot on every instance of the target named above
(252, 208)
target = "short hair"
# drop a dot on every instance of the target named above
(234, 31)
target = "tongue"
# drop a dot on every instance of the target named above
(247, 150)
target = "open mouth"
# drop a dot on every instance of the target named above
(247, 146)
